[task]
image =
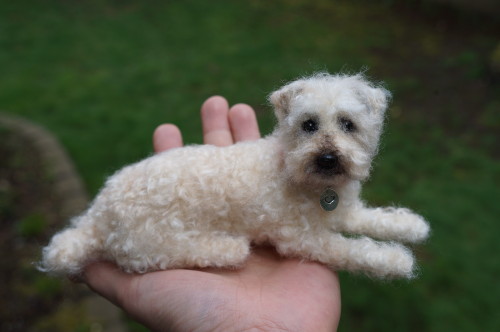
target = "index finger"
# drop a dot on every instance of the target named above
(166, 137)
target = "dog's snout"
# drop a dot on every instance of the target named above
(327, 161)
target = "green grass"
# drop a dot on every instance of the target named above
(103, 74)
(456, 189)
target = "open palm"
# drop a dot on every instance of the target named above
(269, 293)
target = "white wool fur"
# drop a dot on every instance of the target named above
(203, 206)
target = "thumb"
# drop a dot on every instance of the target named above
(107, 280)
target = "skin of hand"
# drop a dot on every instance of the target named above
(269, 293)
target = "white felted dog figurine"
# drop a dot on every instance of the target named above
(298, 189)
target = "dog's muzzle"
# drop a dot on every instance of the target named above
(329, 164)
(327, 161)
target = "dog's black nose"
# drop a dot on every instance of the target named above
(327, 161)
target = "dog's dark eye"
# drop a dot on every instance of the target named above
(347, 125)
(309, 126)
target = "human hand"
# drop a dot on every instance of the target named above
(268, 293)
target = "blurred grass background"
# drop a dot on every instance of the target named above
(101, 75)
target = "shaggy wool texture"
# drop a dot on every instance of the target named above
(203, 206)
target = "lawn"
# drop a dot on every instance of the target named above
(101, 75)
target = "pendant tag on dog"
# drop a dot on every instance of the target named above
(329, 200)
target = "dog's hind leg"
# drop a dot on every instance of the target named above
(379, 259)
(218, 251)
(193, 250)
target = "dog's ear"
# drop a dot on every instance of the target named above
(281, 99)
(376, 98)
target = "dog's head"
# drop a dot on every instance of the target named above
(329, 126)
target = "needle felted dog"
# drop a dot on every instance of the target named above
(298, 189)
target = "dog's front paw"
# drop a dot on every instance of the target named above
(413, 228)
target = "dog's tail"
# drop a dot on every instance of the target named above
(70, 249)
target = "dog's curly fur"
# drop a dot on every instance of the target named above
(203, 206)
